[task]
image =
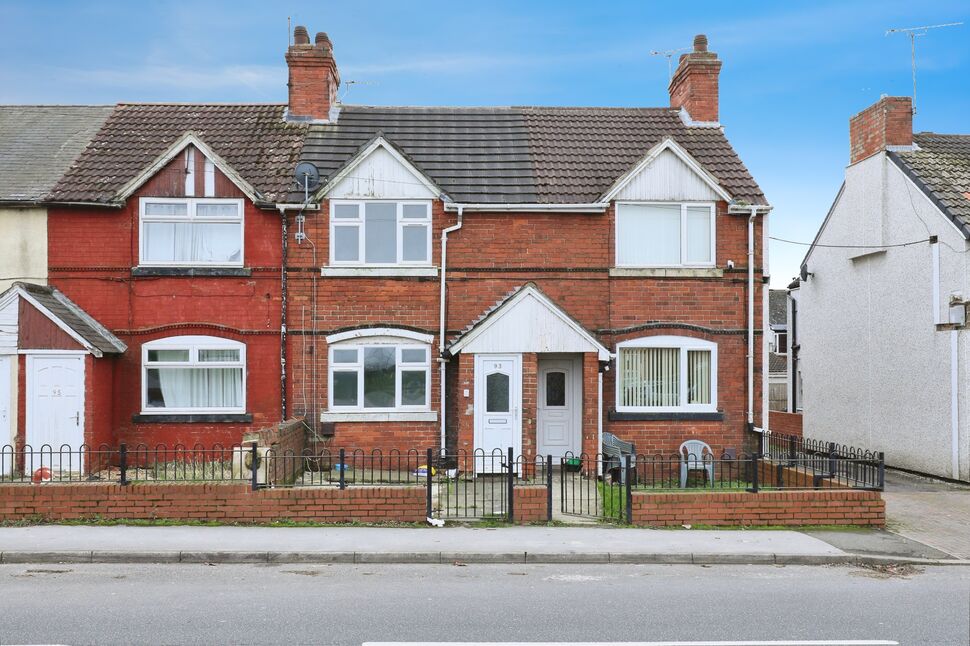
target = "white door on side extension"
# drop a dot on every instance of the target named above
(559, 407)
(6, 415)
(497, 407)
(55, 408)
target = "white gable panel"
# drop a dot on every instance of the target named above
(529, 326)
(381, 176)
(668, 178)
(9, 313)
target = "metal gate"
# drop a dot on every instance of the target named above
(597, 487)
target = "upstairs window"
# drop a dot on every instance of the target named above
(193, 374)
(191, 232)
(380, 233)
(663, 234)
(667, 373)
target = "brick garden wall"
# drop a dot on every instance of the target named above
(787, 423)
(229, 503)
(530, 504)
(791, 508)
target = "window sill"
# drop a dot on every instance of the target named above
(618, 416)
(193, 418)
(192, 271)
(419, 416)
(378, 272)
(666, 272)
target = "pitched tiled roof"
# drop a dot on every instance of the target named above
(778, 307)
(940, 165)
(74, 317)
(253, 139)
(525, 154)
(39, 142)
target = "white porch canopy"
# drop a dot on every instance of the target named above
(527, 321)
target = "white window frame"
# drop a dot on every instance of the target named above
(781, 349)
(192, 203)
(402, 223)
(683, 234)
(399, 344)
(683, 344)
(193, 344)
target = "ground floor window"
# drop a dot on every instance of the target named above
(380, 374)
(666, 373)
(193, 374)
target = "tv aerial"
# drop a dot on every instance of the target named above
(668, 54)
(914, 33)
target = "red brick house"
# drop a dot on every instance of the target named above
(469, 277)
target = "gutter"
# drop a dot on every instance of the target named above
(442, 361)
(593, 207)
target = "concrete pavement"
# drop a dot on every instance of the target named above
(172, 544)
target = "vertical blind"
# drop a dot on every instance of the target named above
(651, 377)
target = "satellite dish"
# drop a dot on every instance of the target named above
(307, 175)
(803, 273)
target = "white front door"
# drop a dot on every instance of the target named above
(498, 401)
(559, 407)
(7, 432)
(55, 405)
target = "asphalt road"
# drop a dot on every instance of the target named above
(347, 604)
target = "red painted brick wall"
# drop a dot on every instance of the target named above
(229, 503)
(91, 252)
(790, 508)
(787, 423)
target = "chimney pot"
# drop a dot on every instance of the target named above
(700, 43)
(301, 36)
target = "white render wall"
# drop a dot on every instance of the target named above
(875, 368)
(23, 246)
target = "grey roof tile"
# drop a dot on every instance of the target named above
(941, 165)
(39, 142)
(778, 307)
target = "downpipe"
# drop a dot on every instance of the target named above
(442, 362)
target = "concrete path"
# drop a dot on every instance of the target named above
(932, 512)
(51, 543)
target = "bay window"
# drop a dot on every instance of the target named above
(380, 233)
(666, 373)
(664, 234)
(380, 375)
(191, 232)
(193, 374)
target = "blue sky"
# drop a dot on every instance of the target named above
(793, 72)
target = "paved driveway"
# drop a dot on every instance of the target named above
(929, 511)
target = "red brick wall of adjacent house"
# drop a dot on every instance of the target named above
(568, 256)
(229, 503)
(91, 253)
(787, 423)
(791, 508)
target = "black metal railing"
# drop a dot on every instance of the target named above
(65, 463)
(863, 468)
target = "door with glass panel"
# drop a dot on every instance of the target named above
(560, 402)
(497, 406)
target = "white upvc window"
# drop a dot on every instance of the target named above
(665, 234)
(193, 374)
(379, 375)
(380, 233)
(190, 232)
(780, 342)
(666, 374)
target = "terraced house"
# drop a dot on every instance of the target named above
(402, 277)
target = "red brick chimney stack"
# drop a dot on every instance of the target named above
(313, 80)
(694, 86)
(886, 123)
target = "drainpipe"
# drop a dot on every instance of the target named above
(754, 212)
(955, 404)
(283, 295)
(441, 332)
